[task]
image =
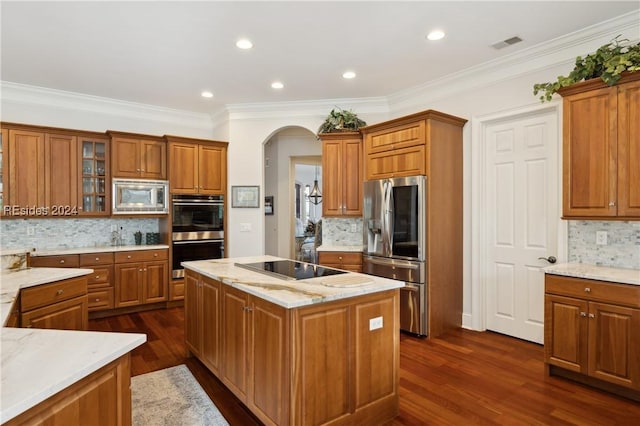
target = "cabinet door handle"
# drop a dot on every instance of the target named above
(612, 203)
(583, 314)
(247, 309)
(587, 290)
(592, 316)
(140, 270)
(62, 261)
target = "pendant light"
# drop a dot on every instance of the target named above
(315, 197)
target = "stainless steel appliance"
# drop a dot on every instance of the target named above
(395, 238)
(197, 229)
(290, 269)
(140, 196)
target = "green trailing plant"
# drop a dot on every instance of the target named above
(340, 120)
(608, 63)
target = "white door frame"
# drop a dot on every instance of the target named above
(477, 319)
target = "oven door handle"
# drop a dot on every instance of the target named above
(196, 241)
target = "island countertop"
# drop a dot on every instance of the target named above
(290, 293)
(37, 363)
(594, 272)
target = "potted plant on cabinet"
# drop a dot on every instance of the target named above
(340, 120)
(609, 63)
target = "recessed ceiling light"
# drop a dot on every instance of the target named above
(244, 43)
(349, 74)
(435, 35)
(277, 85)
(206, 94)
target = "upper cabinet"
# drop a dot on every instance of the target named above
(197, 166)
(138, 156)
(601, 149)
(342, 174)
(53, 173)
(405, 146)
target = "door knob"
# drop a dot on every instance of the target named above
(550, 259)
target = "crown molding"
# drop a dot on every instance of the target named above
(264, 110)
(559, 51)
(23, 94)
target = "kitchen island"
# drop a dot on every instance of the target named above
(310, 351)
(61, 376)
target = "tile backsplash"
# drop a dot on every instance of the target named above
(339, 231)
(622, 249)
(47, 234)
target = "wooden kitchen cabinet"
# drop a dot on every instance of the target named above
(592, 331)
(138, 156)
(197, 166)
(49, 170)
(100, 399)
(141, 277)
(59, 305)
(202, 319)
(101, 288)
(349, 261)
(601, 149)
(279, 361)
(4, 169)
(342, 173)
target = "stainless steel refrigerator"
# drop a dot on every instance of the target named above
(395, 242)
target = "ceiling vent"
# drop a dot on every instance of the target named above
(506, 42)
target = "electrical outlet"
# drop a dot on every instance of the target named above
(375, 323)
(31, 230)
(601, 238)
(354, 227)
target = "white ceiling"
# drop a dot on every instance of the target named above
(165, 53)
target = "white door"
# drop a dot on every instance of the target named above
(521, 217)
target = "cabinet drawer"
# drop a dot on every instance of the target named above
(63, 261)
(396, 137)
(621, 294)
(340, 257)
(100, 299)
(141, 255)
(47, 294)
(101, 277)
(91, 259)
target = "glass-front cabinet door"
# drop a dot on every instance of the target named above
(95, 191)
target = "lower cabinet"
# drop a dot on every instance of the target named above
(101, 399)
(141, 277)
(313, 365)
(592, 329)
(60, 305)
(349, 261)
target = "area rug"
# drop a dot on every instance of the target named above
(172, 397)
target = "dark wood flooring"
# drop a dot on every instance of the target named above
(465, 378)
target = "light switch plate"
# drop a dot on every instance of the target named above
(245, 227)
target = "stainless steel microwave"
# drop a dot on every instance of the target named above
(140, 196)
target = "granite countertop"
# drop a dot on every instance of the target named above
(12, 282)
(290, 293)
(594, 272)
(100, 249)
(36, 364)
(326, 247)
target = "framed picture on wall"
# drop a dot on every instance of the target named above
(245, 196)
(268, 205)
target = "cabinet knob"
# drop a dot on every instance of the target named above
(137, 170)
(583, 314)
(142, 170)
(98, 299)
(59, 292)
(97, 277)
(587, 290)
(97, 258)
(62, 261)
(612, 203)
(592, 316)
(145, 269)
(247, 309)
(129, 257)
(140, 270)
(155, 254)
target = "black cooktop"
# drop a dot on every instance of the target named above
(290, 269)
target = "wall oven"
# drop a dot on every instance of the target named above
(395, 242)
(197, 229)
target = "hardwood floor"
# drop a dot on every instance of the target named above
(465, 378)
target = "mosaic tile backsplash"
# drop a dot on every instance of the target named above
(338, 231)
(622, 249)
(47, 234)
